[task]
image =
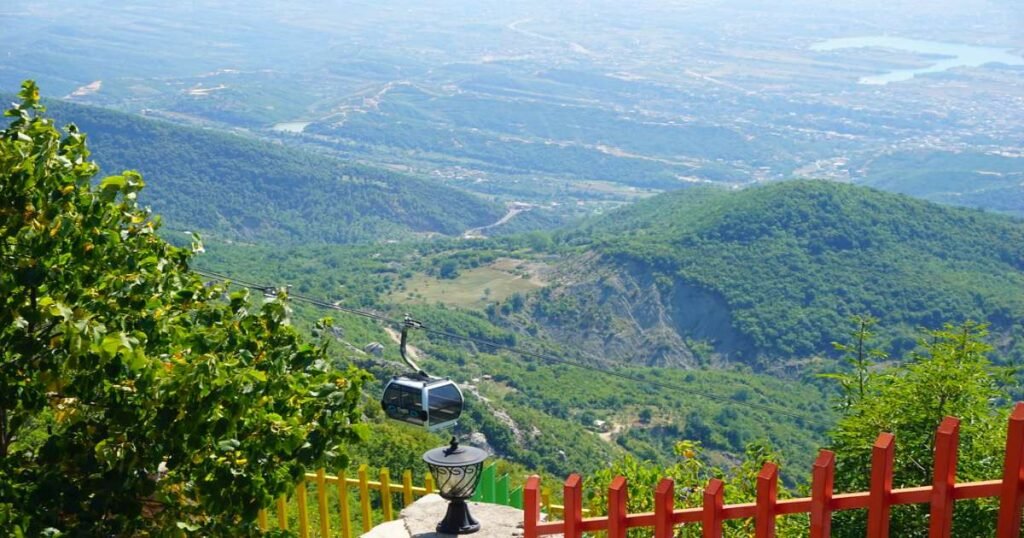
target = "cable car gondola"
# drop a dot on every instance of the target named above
(418, 398)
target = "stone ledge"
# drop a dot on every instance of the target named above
(420, 519)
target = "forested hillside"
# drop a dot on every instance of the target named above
(553, 418)
(776, 272)
(706, 279)
(239, 188)
(973, 179)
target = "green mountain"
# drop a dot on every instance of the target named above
(549, 417)
(244, 189)
(989, 180)
(776, 272)
(719, 282)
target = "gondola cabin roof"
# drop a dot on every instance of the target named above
(429, 402)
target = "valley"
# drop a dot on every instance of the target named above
(754, 285)
(243, 189)
(519, 108)
(625, 226)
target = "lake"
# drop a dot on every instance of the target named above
(954, 55)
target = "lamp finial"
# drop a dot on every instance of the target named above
(453, 447)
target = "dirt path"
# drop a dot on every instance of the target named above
(607, 436)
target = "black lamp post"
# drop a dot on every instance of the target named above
(457, 472)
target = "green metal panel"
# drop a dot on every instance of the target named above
(516, 498)
(501, 491)
(485, 491)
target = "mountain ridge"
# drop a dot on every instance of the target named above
(246, 189)
(788, 264)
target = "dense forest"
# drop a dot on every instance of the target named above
(239, 188)
(793, 261)
(376, 276)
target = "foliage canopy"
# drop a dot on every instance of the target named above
(949, 374)
(134, 397)
(795, 260)
(257, 191)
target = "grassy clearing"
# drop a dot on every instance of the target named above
(473, 288)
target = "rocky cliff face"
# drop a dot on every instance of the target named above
(622, 311)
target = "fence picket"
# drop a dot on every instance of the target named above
(300, 498)
(485, 490)
(346, 519)
(501, 491)
(944, 478)
(407, 487)
(364, 498)
(879, 506)
(573, 511)
(282, 513)
(822, 481)
(1012, 497)
(385, 494)
(321, 503)
(714, 503)
(428, 483)
(618, 496)
(767, 497)
(516, 498)
(531, 506)
(664, 505)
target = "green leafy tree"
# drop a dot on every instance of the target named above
(861, 356)
(691, 474)
(449, 269)
(948, 375)
(135, 398)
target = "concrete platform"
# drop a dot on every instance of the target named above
(419, 520)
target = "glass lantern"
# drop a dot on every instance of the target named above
(456, 471)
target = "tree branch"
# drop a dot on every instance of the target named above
(4, 434)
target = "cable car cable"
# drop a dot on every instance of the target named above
(525, 353)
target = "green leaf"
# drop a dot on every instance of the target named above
(228, 445)
(61, 310)
(114, 343)
(138, 362)
(112, 182)
(362, 431)
(187, 526)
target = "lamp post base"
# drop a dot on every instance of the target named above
(458, 520)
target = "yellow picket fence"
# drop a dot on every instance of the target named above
(493, 490)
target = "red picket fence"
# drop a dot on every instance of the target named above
(820, 505)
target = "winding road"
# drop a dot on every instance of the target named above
(514, 209)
